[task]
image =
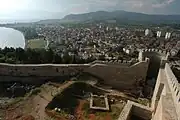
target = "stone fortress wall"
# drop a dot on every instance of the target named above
(165, 103)
(117, 62)
(49, 70)
(163, 52)
(41, 70)
(118, 74)
(174, 86)
(120, 77)
(166, 98)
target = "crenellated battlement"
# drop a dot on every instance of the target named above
(173, 85)
(118, 74)
(156, 50)
(165, 103)
(116, 62)
(143, 53)
(166, 96)
(50, 70)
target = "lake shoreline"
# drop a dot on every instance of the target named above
(10, 37)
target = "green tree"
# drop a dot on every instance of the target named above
(20, 55)
(101, 57)
(57, 59)
(2, 58)
(10, 60)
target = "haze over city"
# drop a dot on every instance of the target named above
(50, 9)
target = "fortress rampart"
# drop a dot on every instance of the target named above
(163, 52)
(118, 74)
(123, 77)
(117, 62)
(143, 52)
(48, 70)
(166, 97)
(174, 87)
(165, 103)
(41, 70)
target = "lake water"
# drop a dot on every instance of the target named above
(11, 38)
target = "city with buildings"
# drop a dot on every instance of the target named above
(100, 39)
(91, 71)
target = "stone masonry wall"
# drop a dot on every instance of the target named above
(118, 76)
(41, 70)
(162, 52)
(116, 62)
(132, 108)
(156, 101)
(174, 87)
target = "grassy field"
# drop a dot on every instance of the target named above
(36, 43)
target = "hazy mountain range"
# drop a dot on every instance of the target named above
(24, 16)
(119, 16)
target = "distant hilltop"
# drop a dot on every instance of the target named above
(118, 16)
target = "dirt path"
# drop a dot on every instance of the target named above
(108, 117)
(79, 111)
(92, 117)
(41, 101)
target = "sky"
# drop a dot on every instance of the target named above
(44, 9)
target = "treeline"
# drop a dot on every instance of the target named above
(38, 56)
(29, 32)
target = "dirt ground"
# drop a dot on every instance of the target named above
(82, 114)
(33, 107)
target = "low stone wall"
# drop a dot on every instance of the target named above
(105, 108)
(132, 108)
(125, 114)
